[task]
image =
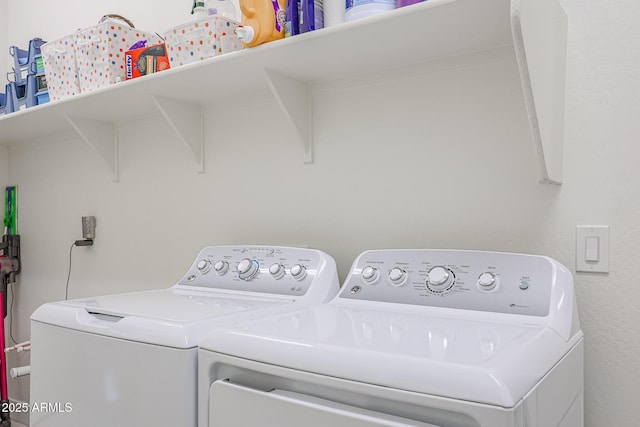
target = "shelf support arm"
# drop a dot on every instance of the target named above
(295, 101)
(186, 120)
(102, 137)
(539, 31)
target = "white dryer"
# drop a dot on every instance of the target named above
(131, 359)
(434, 338)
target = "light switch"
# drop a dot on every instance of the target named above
(592, 248)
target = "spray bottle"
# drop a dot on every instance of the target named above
(263, 21)
(198, 9)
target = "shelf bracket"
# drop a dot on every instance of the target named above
(102, 137)
(539, 31)
(294, 98)
(186, 120)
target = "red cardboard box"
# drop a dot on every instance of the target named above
(146, 60)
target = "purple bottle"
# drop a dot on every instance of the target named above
(311, 15)
(400, 3)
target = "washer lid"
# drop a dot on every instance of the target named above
(170, 317)
(480, 361)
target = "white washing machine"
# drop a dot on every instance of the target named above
(433, 338)
(131, 359)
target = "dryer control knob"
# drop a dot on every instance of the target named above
(204, 265)
(221, 267)
(277, 270)
(298, 272)
(487, 281)
(369, 275)
(248, 268)
(439, 279)
(397, 276)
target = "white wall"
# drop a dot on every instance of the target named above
(4, 167)
(444, 158)
(4, 57)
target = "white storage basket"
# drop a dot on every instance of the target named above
(100, 51)
(60, 68)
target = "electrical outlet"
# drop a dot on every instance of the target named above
(89, 227)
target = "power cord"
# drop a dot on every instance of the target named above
(83, 242)
(66, 289)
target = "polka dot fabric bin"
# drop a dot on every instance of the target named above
(60, 69)
(201, 39)
(100, 52)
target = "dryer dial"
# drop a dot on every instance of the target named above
(397, 276)
(487, 281)
(369, 275)
(439, 279)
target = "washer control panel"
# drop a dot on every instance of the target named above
(267, 269)
(472, 280)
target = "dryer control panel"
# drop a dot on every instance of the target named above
(473, 280)
(263, 269)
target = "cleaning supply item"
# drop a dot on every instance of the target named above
(198, 10)
(10, 210)
(263, 21)
(356, 9)
(9, 268)
(333, 11)
(203, 9)
(402, 3)
(223, 8)
(311, 15)
(292, 26)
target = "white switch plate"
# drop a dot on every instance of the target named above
(597, 249)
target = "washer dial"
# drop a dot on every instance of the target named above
(298, 272)
(277, 270)
(248, 268)
(221, 267)
(204, 265)
(439, 279)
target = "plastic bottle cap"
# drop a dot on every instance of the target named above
(245, 34)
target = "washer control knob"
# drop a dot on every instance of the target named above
(397, 276)
(248, 268)
(221, 267)
(487, 281)
(439, 278)
(277, 270)
(204, 265)
(298, 272)
(369, 275)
